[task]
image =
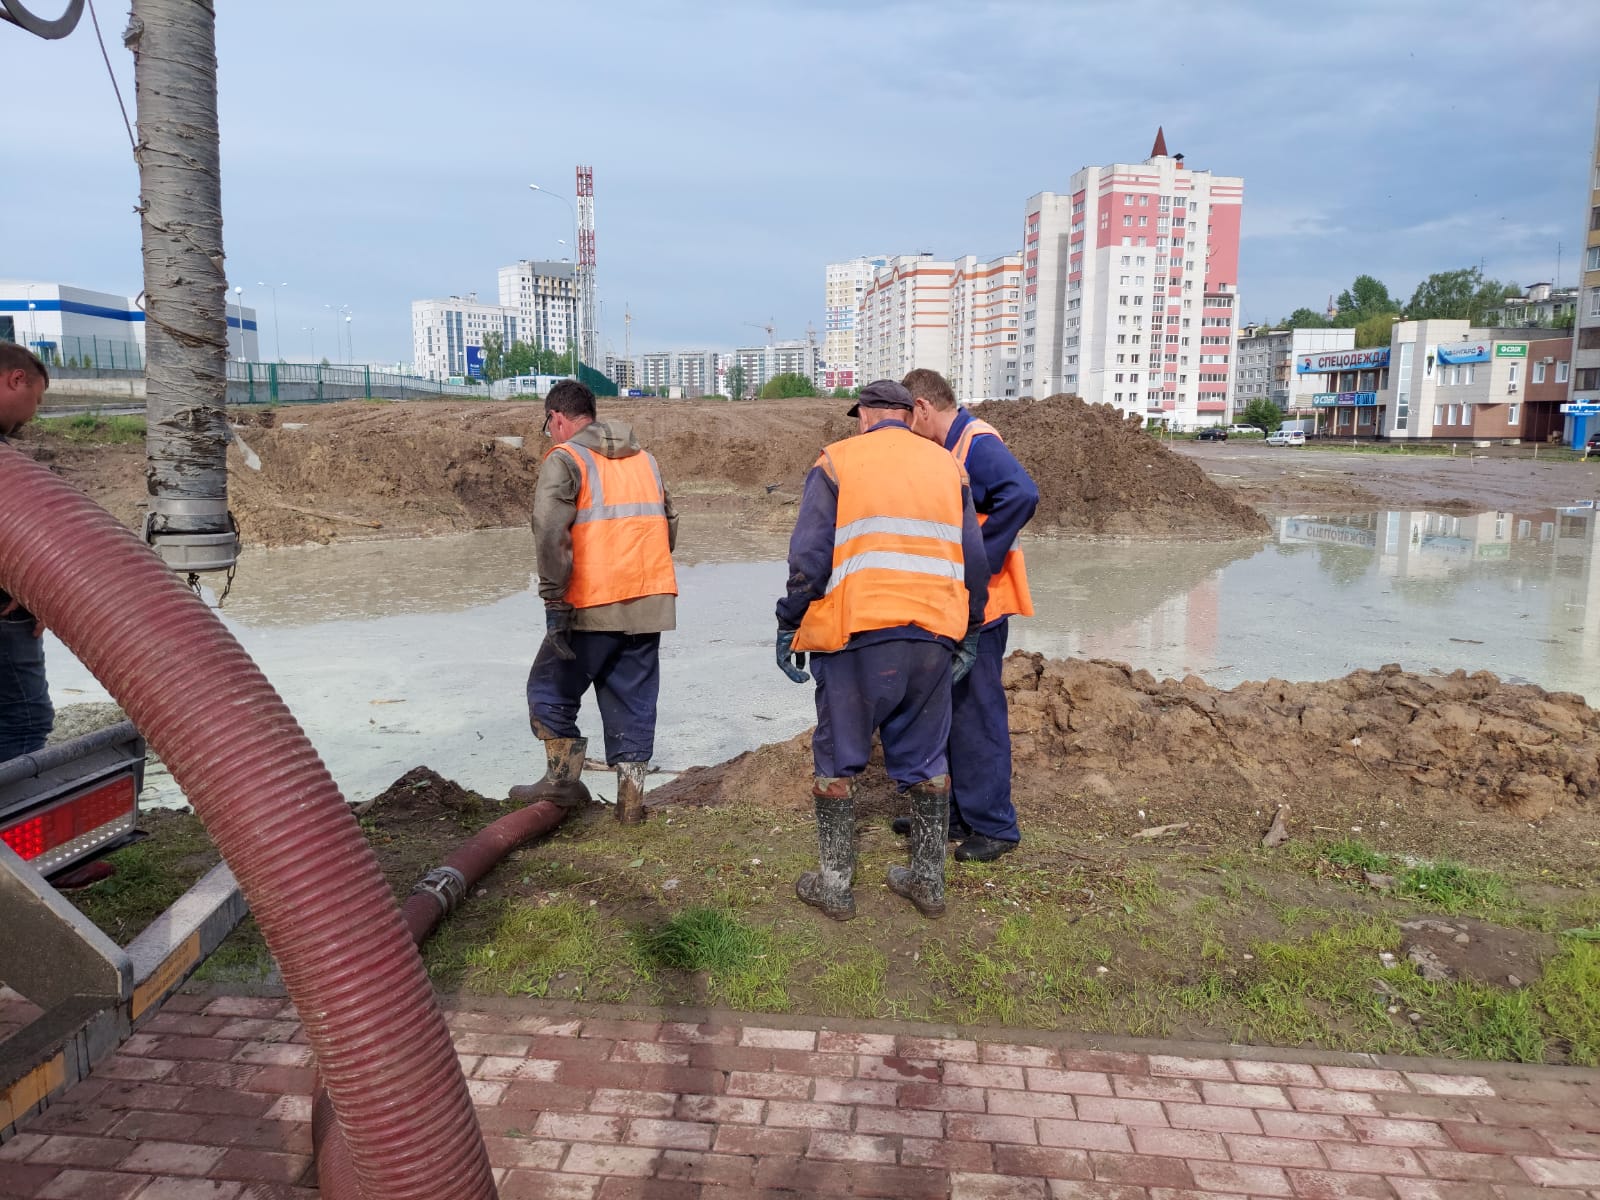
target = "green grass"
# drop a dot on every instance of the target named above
(745, 966)
(1448, 886)
(1568, 995)
(566, 947)
(94, 429)
(852, 985)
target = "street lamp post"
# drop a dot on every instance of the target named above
(312, 330)
(349, 339)
(277, 337)
(575, 305)
(238, 293)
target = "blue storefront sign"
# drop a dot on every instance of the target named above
(1329, 361)
(474, 362)
(1344, 399)
(1465, 352)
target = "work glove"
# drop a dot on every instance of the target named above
(558, 631)
(791, 662)
(966, 655)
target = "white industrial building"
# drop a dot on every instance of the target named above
(544, 295)
(68, 325)
(447, 335)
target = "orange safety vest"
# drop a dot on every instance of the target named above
(620, 546)
(897, 556)
(1008, 591)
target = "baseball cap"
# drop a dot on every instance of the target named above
(882, 393)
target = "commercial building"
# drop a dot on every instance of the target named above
(447, 335)
(68, 325)
(1586, 333)
(1130, 289)
(904, 320)
(544, 295)
(1264, 365)
(845, 283)
(985, 314)
(1541, 307)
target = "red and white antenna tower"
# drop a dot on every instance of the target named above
(588, 325)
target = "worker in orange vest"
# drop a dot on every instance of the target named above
(603, 530)
(887, 585)
(982, 815)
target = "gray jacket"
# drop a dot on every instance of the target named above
(555, 505)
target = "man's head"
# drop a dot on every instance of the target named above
(881, 400)
(933, 403)
(567, 409)
(23, 379)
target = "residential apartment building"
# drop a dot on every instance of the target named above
(1264, 361)
(985, 312)
(904, 320)
(845, 283)
(623, 372)
(758, 364)
(1130, 289)
(447, 335)
(1541, 307)
(544, 295)
(1586, 332)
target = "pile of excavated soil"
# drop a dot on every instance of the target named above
(315, 473)
(1098, 738)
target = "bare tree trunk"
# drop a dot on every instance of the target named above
(185, 288)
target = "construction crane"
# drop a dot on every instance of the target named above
(770, 327)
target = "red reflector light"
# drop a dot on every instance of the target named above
(72, 819)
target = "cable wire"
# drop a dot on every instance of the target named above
(133, 142)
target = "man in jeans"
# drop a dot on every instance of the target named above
(26, 714)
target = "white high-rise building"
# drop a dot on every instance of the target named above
(904, 320)
(845, 285)
(447, 335)
(985, 300)
(1586, 344)
(1130, 289)
(545, 298)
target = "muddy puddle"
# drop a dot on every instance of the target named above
(398, 653)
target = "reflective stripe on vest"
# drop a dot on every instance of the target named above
(620, 545)
(897, 553)
(1008, 590)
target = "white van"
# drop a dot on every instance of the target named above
(1287, 437)
(1244, 431)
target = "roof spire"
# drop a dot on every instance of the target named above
(1159, 150)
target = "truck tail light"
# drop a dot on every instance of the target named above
(74, 827)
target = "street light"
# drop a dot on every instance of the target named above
(338, 310)
(349, 340)
(312, 330)
(575, 330)
(277, 338)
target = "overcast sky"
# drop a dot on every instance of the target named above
(377, 153)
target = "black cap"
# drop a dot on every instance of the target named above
(882, 393)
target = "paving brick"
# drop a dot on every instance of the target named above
(650, 1052)
(1473, 1138)
(1320, 1127)
(951, 1156)
(760, 1140)
(703, 1034)
(69, 1150)
(1363, 1079)
(1018, 1056)
(1302, 1074)
(158, 1126)
(1244, 1095)
(1330, 1100)
(832, 1042)
(566, 1048)
(716, 1109)
(67, 1117)
(983, 1127)
(171, 1158)
(586, 1159)
(1085, 1135)
(784, 1114)
(1384, 1131)
(652, 1077)
(1335, 1185)
(290, 1108)
(631, 1031)
(779, 1039)
(1411, 1107)
(945, 1099)
(1056, 1105)
(1273, 1151)
(896, 1069)
(578, 1127)
(766, 1086)
(853, 1147)
(909, 1123)
(729, 1058)
(242, 1006)
(1191, 1068)
(855, 1091)
(1146, 1087)
(1530, 1191)
(1565, 1144)
(943, 1049)
(1180, 1143)
(170, 1187)
(1079, 1083)
(505, 1067)
(1144, 1170)
(190, 1024)
(965, 1186)
(1240, 1177)
(73, 1184)
(1450, 1085)
(1073, 1189)
(22, 1180)
(618, 1103)
(524, 1152)
(1048, 1162)
(692, 1166)
(1121, 1112)
(545, 1185)
(263, 1165)
(1377, 1160)
(809, 1062)
(1491, 1168)
(617, 1187)
(123, 1066)
(1215, 1120)
(1117, 1062)
(279, 1081)
(21, 1145)
(985, 1075)
(1561, 1172)
(1406, 1188)
(668, 1135)
(274, 1054)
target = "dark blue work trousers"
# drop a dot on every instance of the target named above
(899, 689)
(625, 671)
(980, 745)
(26, 714)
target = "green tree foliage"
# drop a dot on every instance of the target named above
(842, 393)
(1262, 413)
(1376, 330)
(1363, 300)
(736, 381)
(789, 383)
(1461, 295)
(1303, 318)
(494, 356)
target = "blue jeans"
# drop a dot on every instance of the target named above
(899, 689)
(980, 745)
(625, 671)
(26, 714)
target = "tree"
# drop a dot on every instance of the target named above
(1462, 295)
(1304, 318)
(786, 384)
(1262, 413)
(842, 393)
(1365, 298)
(521, 359)
(494, 356)
(1376, 330)
(736, 381)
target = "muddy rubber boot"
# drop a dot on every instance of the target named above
(562, 784)
(630, 792)
(829, 888)
(922, 883)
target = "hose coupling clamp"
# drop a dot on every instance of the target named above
(446, 885)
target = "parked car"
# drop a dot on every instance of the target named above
(1246, 431)
(1593, 446)
(1212, 433)
(1286, 437)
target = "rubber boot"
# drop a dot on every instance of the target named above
(562, 784)
(923, 882)
(630, 792)
(829, 888)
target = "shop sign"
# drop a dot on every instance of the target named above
(1466, 352)
(1341, 360)
(1580, 408)
(1344, 399)
(1511, 349)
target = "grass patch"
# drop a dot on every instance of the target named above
(1447, 886)
(852, 986)
(1569, 997)
(566, 947)
(92, 429)
(744, 965)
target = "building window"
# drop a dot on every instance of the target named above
(1513, 411)
(1591, 261)
(1513, 374)
(1127, 219)
(1438, 414)
(1538, 377)
(1562, 371)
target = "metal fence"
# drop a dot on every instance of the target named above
(291, 383)
(90, 353)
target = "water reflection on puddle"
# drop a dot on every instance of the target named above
(398, 653)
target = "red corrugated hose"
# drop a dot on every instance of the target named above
(264, 796)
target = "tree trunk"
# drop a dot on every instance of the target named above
(185, 288)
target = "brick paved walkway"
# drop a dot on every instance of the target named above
(211, 1101)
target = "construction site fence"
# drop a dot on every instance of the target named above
(89, 353)
(300, 383)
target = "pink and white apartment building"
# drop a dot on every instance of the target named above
(1130, 289)
(985, 309)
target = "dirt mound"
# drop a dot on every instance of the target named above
(1099, 472)
(1112, 737)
